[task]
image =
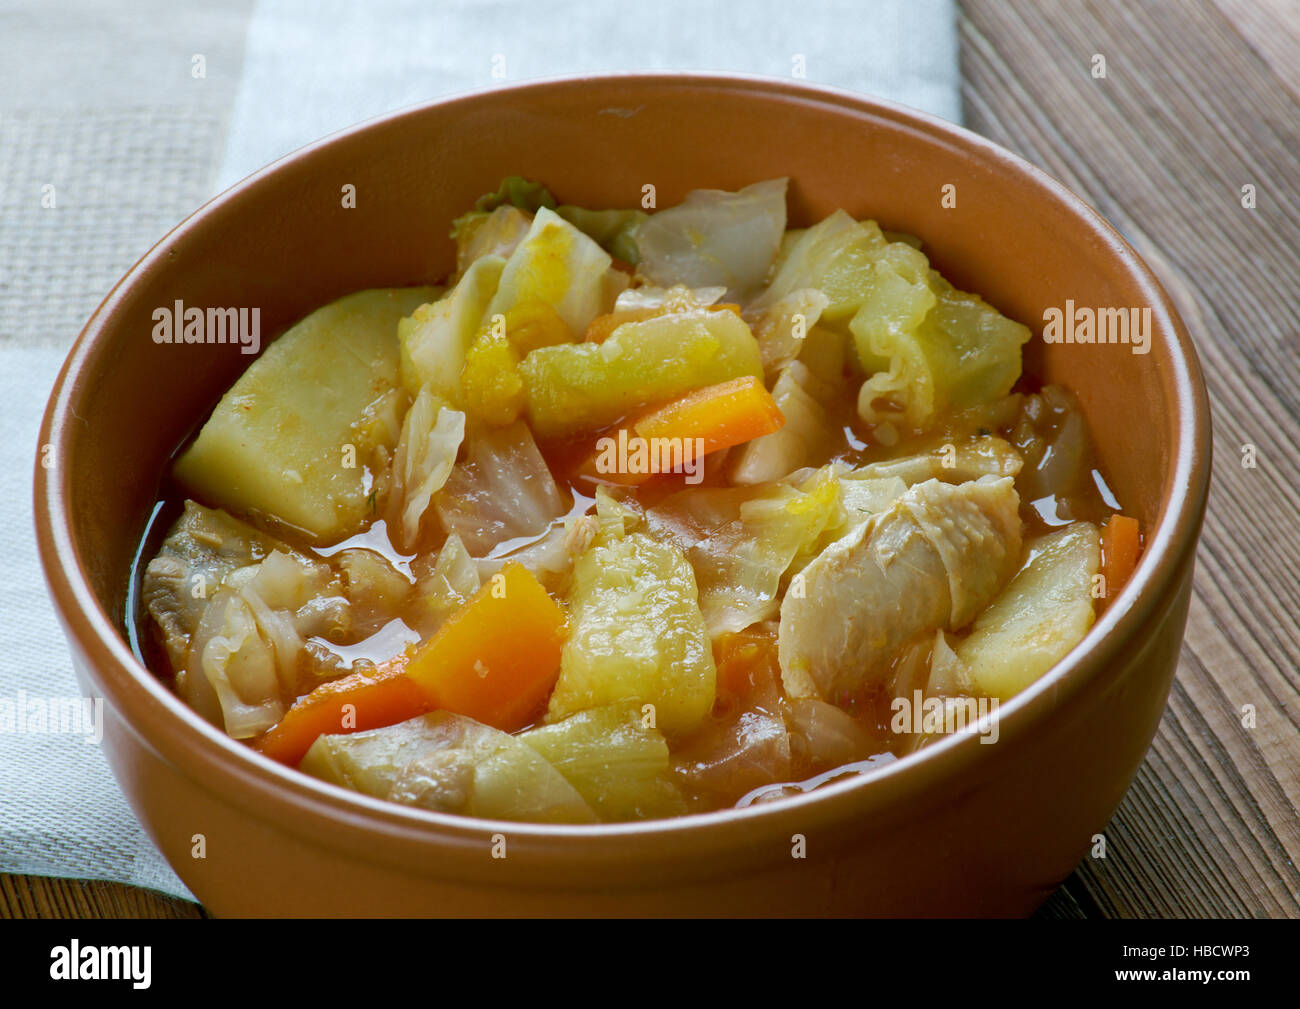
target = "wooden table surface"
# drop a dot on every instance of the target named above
(1200, 98)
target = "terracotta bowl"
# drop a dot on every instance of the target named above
(961, 828)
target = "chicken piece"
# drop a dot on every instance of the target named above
(933, 559)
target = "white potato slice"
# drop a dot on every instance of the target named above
(1043, 613)
(292, 438)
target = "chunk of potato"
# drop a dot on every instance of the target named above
(1043, 613)
(277, 445)
(576, 387)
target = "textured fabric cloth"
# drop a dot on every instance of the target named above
(105, 106)
(316, 67)
(61, 812)
(107, 140)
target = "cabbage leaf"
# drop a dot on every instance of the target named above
(426, 453)
(451, 764)
(715, 238)
(937, 349)
(436, 337)
(618, 763)
(558, 265)
(502, 490)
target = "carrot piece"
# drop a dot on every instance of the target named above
(384, 696)
(1121, 543)
(719, 415)
(498, 656)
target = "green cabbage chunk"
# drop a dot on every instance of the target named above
(951, 459)
(780, 340)
(618, 763)
(496, 234)
(516, 191)
(613, 230)
(636, 632)
(832, 257)
(501, 490)
(715, 237)
(441, 592)
(247, 652)
(587, 386)
(202, 547)
(558, 265)
(742, 541)
(451, 764)
(831, 358)
(426, 453)
(233, 665)
(927, 347)
(935, 349)
(548, 557)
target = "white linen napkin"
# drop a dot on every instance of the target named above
(315, 67)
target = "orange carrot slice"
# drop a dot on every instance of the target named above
(703, 421)
(364, 700)
(498, 656)
(718, 415)
(1120, 546)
